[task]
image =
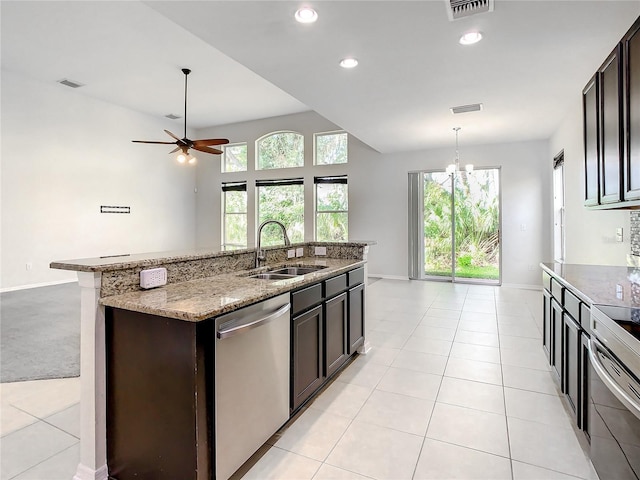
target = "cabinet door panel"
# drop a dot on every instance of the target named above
(307, 355)
(610, 131)
(571, 362)
(546, 324)
(585, 386)
(631, 44)
(591, 141)
(556, 340)
(335, 333)
(356, 318)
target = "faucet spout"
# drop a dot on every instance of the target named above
(260, 254)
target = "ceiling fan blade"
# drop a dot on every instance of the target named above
(172, 135)
(213, 151)
(149, 141)
(174, 150)
(211, 141)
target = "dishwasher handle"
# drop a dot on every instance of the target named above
(623, 394)
(236, 327)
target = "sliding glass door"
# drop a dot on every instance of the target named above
(455, 225)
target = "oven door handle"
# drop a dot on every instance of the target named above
(608, 380)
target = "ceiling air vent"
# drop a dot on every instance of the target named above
(474, 107)
(465, 8)
(172, 116)
(70, 83)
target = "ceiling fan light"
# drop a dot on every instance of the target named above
(306, 15)
(181, 158)
(451, 169)
(193, 160)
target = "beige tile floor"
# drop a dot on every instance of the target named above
(456, 386)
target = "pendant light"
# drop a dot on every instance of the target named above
(453, 168)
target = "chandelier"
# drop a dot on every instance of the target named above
(455, 167)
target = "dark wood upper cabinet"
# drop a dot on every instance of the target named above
(631, 75)
(590, 114)
(610, 122)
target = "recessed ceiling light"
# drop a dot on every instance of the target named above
(348, 62)
(470, 38)
(306, 15)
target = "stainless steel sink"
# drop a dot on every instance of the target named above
(272, 276)
(297, 270)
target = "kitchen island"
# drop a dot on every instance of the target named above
(201, 285)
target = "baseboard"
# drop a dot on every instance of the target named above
(388, 277)
(523, 286)
(36, 285)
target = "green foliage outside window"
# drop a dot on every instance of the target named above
(284, 203)
(281, 150)
(332, 212)
(235, 220)
(331, 148)
(234, 158)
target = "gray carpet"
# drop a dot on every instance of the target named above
(40, 333)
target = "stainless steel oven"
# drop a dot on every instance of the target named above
(614, 413)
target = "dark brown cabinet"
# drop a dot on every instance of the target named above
(565, 341)
(610, 121)
(327, 328)
(631, 107)
(356, 318)
(571, 362)
(307, 355)
(590, 114)
(611, 127)
(335, 333)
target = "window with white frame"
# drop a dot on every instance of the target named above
(280, 150)
(332, 209)
(234, 158)
(330, 148)
(234, 215)
(558, 207)
(281, 200)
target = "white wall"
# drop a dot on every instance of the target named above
(381, 189)
(590, 234)
(378, 194)
(65, 154)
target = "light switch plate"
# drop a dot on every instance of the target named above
(291, 253)
(153, 277)
(321, 251)
(300, 252)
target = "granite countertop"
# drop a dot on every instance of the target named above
(197, 300)
(596, 284)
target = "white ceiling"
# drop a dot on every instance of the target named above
(251, 60)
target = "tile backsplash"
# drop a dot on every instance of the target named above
(634, 235)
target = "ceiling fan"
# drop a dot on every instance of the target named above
(185, 144)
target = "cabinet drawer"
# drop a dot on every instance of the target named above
(355, 277)
(335, 285)
(546, 280)
(585, 317)
(305, 298)
(572, 305)
(556, 290)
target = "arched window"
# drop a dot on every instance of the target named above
(280, 150)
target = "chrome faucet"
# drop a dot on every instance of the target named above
(260, 254)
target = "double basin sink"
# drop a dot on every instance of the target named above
(282, 273)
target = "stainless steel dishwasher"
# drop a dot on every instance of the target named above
(251, 380)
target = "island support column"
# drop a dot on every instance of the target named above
(93, 431)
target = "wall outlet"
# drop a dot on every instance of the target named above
(321, 251)
(154, 277)
(28, 265)
(619, 292)
(619, 235)
(291, 253)
(300, 252)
